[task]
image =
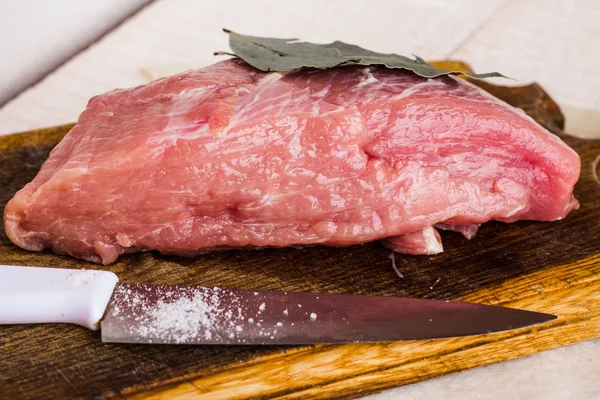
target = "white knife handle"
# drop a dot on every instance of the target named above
(37, 295)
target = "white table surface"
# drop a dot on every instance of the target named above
(554, 42)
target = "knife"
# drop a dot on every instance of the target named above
(144, 313)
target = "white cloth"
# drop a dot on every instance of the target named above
(38, 35)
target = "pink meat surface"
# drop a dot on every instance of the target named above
(227, 157)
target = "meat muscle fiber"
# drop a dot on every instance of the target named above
(228, 157)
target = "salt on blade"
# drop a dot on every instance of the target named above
(313, 316)
(179, 316)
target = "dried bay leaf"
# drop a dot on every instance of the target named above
(283, 55)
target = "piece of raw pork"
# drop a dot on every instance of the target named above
(228, 157)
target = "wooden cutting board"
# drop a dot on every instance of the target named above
(548, 267)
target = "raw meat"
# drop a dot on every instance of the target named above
(425, 241)
(467, 230)
(227, 157)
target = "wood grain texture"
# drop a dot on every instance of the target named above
(548, 267)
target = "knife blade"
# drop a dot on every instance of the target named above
(145, 313)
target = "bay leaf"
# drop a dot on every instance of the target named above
(283, 55)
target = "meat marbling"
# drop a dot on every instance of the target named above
(228, 157)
